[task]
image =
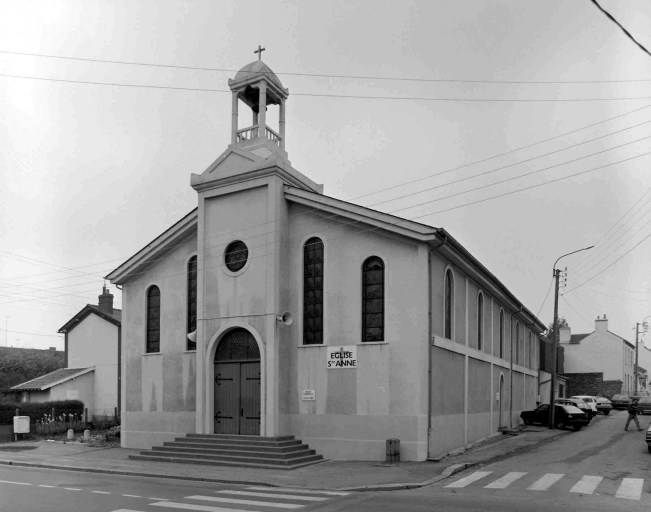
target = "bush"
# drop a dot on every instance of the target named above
(49, 426)
(37, 411)
(104, 421)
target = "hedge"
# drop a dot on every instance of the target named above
(36, 411)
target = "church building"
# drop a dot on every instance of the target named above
(272, 309)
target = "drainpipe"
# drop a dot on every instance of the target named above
(511, 372)
(429, 335)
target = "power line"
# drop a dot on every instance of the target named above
(568, 303)
(546, 296)
(317, 75)
(585, 258)
(36, 334)
(388, 188)
(602, 271)
(628, 34)
(345, 96)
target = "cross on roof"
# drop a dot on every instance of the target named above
(259, 52)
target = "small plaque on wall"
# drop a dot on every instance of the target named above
(309, 394)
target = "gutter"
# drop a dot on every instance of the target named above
(511, 371)
(429, 334)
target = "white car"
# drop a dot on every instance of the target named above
(590, 400)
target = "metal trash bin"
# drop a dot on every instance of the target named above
(393, 450)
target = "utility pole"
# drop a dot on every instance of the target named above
(552, 393)
(637, 328)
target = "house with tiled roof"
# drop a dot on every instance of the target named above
(92, 355)
(598, 363)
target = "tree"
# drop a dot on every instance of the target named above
(561, 323)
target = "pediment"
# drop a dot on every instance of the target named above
(232, 161)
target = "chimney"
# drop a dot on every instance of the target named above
(106, 302)
(564, 335)
(601, 324)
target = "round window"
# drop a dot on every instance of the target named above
(236, 255)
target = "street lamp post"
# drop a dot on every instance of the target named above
(552, 393)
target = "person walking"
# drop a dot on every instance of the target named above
(632, 415)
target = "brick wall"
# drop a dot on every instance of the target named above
(591, 384)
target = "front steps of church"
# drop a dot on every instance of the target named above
(283, 452)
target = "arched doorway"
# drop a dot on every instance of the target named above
(237, 384)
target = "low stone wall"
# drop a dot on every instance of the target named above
(592, 383)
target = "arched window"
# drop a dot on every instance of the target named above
(373, 299)
(313, 292)
(449, 303)
(153, 319)
(517, 343)
(501, 334)
(480, 320)
(192, 301)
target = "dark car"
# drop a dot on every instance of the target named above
(564, 416)
(604, 405)
(644, 405)
(620, 401)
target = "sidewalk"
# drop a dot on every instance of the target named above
(331, 475)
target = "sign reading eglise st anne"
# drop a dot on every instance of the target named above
(342, 357)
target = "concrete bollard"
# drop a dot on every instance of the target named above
(86, 435)
(71, 434)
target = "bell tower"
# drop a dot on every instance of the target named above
(258, 87)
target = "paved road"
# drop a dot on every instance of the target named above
(33, 489)
(601, 468)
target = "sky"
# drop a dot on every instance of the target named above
(521, 127)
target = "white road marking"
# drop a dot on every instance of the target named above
(505, 481)
(17, 483)
(245, 502)
(159, 499)
(71, 489)
(132, 496)
(49, 486)
(271, 495)
(469, 479)
(630, 488)
(587, 484)
(126, 510)
(297, 491)
(187, 506)
(544, 483)
(100, 492)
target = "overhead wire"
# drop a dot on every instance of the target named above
(408, 182)
(320, 75)
(343, 96)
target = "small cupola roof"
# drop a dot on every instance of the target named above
(255, 70)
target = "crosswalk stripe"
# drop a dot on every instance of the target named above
(544, 483)
(17, 483)
(469, 479)
(271, 495)
(244, 502)
(505, 481)
(297, 491)
(630, 488)
(587, 484)
(192, 506)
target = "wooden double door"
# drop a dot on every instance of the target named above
(237, 385)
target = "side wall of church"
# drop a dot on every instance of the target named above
(473, 391)
(357, 409)
(158, 389)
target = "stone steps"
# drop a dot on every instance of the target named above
(282, 452)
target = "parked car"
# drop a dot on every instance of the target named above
(648, 438)
(620, 401)
(590, 400)
(579, 404)
(644, 405)
(604, 405)
(564, 416)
